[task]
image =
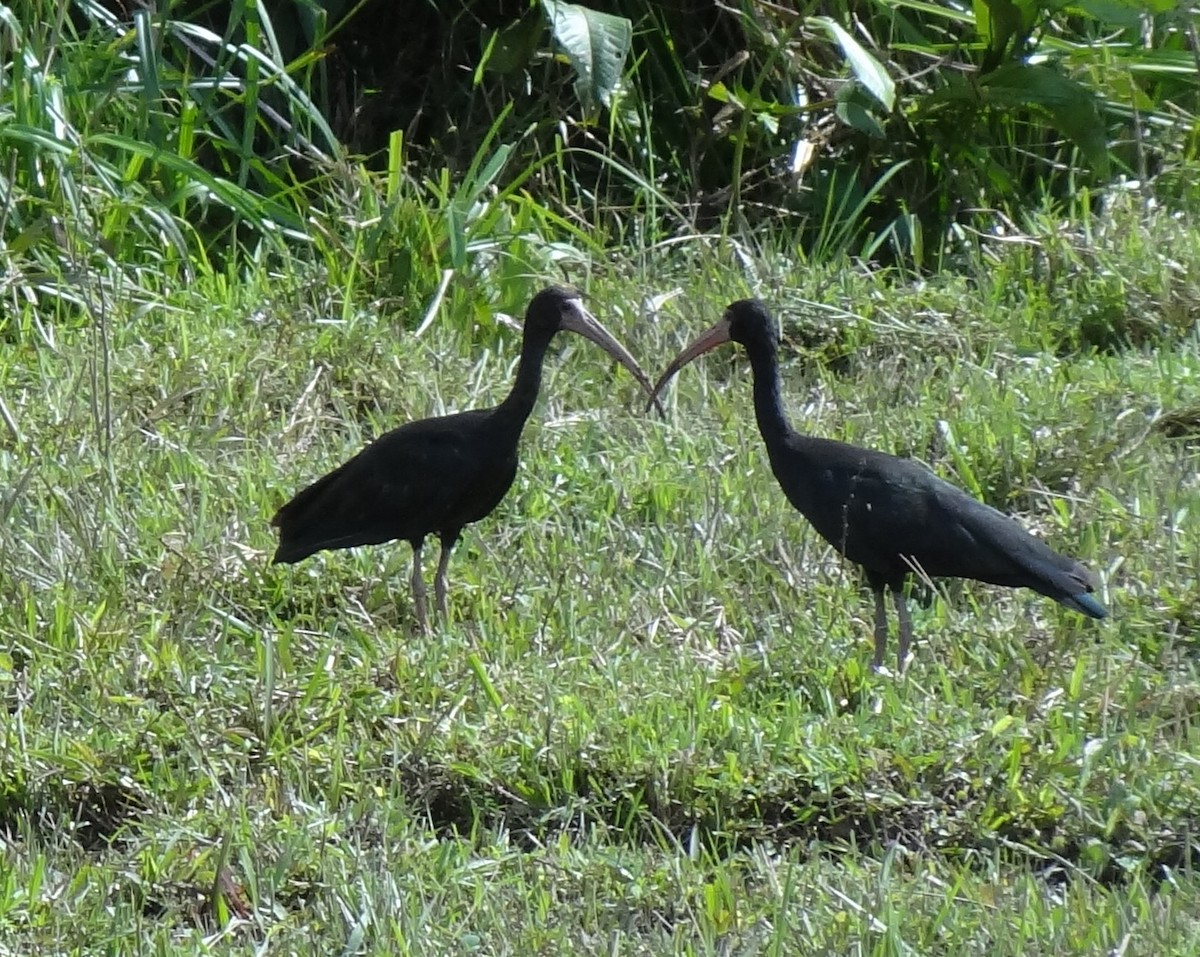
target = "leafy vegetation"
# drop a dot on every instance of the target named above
(649, 727)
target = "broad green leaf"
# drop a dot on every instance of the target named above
(1082, 123)
(854, 106)
(1071, 105)
(983, 22)
(595, 43)
(866, 69)
(722, 94)
(1020, 83)
(998, 21)
(1029, 11)
(510, 49)
(856, 116)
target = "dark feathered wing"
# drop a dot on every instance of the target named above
(420, 478)
(320, 516)
(1005, 553)
(893, 516)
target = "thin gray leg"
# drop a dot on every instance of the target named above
(418, 590)
(906, 631)
(881, 627)
(439, 582)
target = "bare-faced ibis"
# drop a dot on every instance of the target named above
(437, 475)
(888, 514)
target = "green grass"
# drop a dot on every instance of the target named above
(650, 727)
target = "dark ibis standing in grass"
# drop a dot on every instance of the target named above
(437, 475)
(888, 514)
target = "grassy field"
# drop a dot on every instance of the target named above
(650, 726)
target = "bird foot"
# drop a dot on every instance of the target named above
(901, 669)
(420, 618)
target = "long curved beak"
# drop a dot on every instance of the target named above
(707, 340)
(579, 320)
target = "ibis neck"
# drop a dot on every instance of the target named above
(516, 407)
(768, 403)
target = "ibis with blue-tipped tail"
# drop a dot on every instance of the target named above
(890, 515)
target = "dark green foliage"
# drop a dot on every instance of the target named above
(199, 133)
